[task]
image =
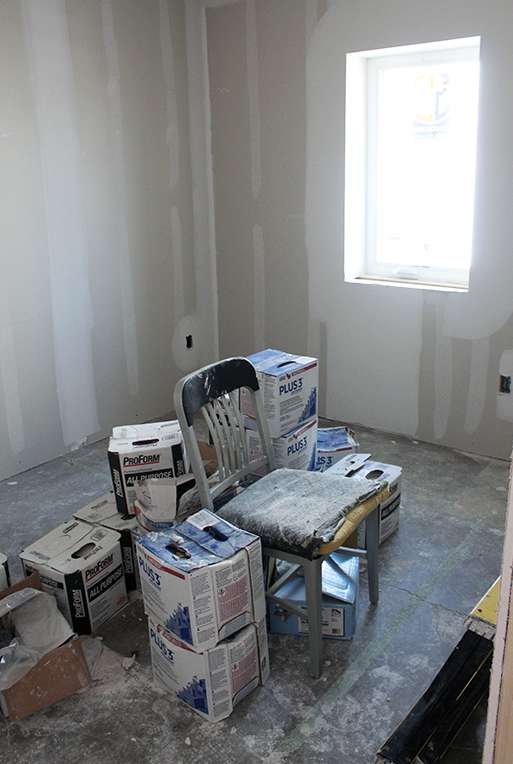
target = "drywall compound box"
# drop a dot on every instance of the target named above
(214, 681)
(103, 511)
(340, 575)
(369, 470)
(145, 452)
(289, 389)
(82, 567)
(202, 580)
(296, 451)
(333, 443)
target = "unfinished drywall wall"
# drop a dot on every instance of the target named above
(422, 363)
(102, 275)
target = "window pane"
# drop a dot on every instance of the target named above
(425, 137)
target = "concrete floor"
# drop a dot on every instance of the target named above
(444, 556)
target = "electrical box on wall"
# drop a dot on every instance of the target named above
(504, 405)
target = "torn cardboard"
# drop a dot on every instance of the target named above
(50, 664)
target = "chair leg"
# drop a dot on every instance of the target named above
(313, 585)
(372, 543)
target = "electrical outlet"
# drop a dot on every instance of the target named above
(505, 384)
(189, 343)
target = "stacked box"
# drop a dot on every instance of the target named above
(148, 462)
(351, 466)
(333, 443)
(340, 575)
(203, 589)
(289, 390)
(103, 511)
(82, 567)
(211, 682)
(296, 451)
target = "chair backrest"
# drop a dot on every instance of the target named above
(214, 391)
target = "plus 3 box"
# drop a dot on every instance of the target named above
(214, 681)
(203, 579)
(340, 575)
(82, 567)
(289, 390)
(369, 470)
(145, 452)
(296, 451)
(103, 511)
(333, 443)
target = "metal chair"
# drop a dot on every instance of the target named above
(300, 516)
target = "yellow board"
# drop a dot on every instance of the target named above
(486, 608)
(353, 520)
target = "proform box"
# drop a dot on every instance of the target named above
(296, 451)
(333, 443)
(103, 511)
(144, 452)
(340, 574)
(214, 681)
(82, 567)
(289, 389)
(389, 509)
(202, 580)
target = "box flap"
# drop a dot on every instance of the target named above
(214, 534)
(98, 510)
(119, 523)
(332, 438)
(277, 362)
(133, 436)
(33, 582)
(92, 546)
(65, 536)
(176, 551)
(379, 471)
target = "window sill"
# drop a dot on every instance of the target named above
(406, 284)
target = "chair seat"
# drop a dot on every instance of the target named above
(298, 512)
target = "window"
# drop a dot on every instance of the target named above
(411, 129)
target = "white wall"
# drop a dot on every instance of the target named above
(422, 363)
(104, 267)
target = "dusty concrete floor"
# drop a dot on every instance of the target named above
(445, 555)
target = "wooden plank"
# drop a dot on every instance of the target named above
(487, 607)
(499, 727)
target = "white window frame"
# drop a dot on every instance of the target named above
(360, 230)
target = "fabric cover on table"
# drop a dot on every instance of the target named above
(297, 511)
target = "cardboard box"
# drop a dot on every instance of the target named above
(82, 567)
(333, 443)
(203, 580)
(145, 452)
(159, 501)
(58, 674)
(103, 511)
(289, 389)
(295, 451)
(369, 470)
(340, 575)
(5, 579)
(214, 681)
